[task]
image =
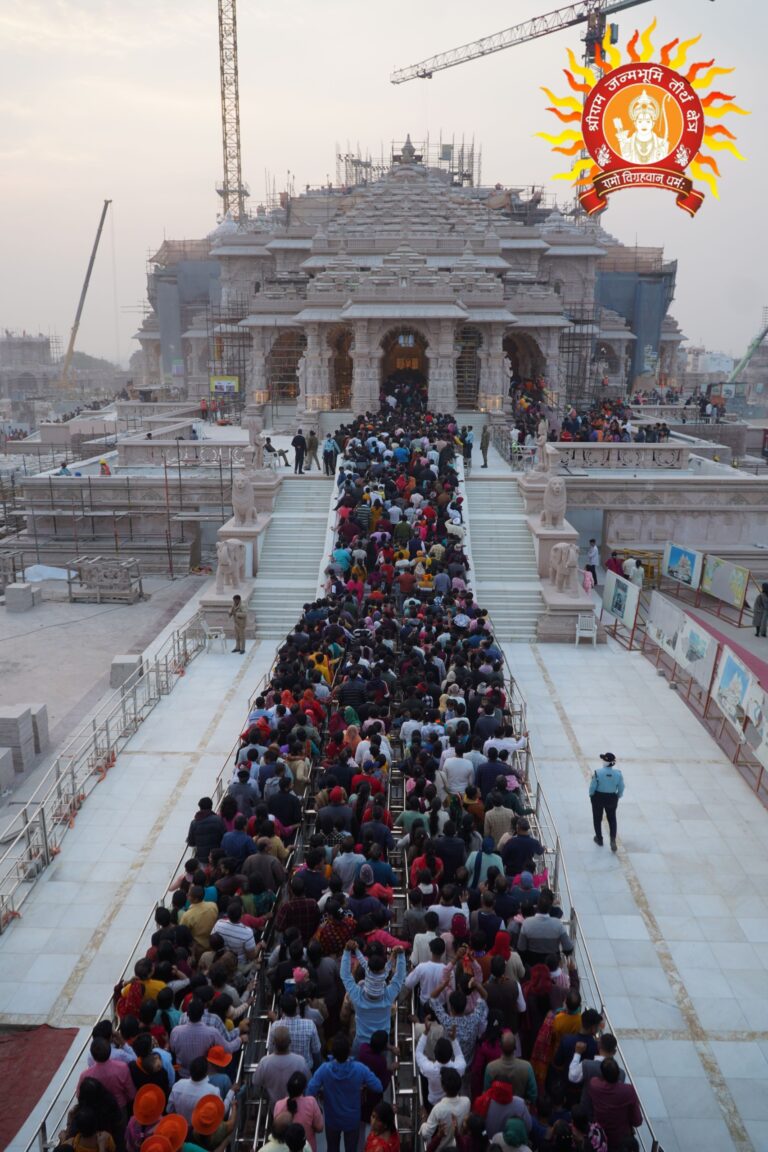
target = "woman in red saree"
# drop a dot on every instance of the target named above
(383, 1136)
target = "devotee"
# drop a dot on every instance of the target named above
(378, 810)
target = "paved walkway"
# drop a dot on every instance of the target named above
(59, 654)
(677, 922)
(82, 920)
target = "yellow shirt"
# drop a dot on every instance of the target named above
(151, 989)
(200, 919)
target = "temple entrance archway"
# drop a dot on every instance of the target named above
(526, 359)
(468, 342)
(340, 366)
(283, 365)
(405, 367)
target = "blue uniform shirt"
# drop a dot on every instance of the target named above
(608, 780)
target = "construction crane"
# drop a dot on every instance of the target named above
(63, 380)
(591, 12)
(233, 192)
(744, 362)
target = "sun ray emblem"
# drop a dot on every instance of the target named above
(637, 123)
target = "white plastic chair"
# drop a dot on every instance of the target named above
(586, 626)
(213, 634)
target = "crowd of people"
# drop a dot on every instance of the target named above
(373, 871)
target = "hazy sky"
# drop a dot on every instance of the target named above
(100, 98)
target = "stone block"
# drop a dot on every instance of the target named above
(19, 597)
(16, 725)
(558, 622)
(40, 727)
(531, 487)
(7, 771)
(121, 668)
(22, 754)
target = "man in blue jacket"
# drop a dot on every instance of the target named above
(341, 1082)
(605, 790)
(373, 999)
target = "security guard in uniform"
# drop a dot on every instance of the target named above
(239, 614)
(605, 790)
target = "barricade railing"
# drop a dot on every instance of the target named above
(56, 1113)
(33, 838)
(554, 860)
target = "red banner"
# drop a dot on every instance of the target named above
(595, 197)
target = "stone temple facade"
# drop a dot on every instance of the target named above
(326, 299)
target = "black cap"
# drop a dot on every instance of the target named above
(608, 757)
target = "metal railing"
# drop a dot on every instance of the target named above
(56, 1113)
(554, 861)
(558, 881)
(33, 837)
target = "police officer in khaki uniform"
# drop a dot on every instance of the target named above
(485, 443)
(239, 614)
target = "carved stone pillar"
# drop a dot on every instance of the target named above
(548, 340)
(314, 392)
(366, 371)
(494, 374)
(442, 354)
(258, 393)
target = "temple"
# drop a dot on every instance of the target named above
(413, 276)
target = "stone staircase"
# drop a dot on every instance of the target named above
(503, 557)
(291, 555)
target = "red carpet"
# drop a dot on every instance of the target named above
(29, 1060)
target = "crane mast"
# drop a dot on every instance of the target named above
(233, 192)
(591, 12)
(744, 362)
(63, 380)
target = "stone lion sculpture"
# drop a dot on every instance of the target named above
(564, 567)
(555, 497)
(243, 501)
(230, 568)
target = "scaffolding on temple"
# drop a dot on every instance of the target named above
(460, 160)
(229, 347)
(580, 368)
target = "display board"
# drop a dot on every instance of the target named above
(757, 729)
(665, 623)
(621, 599)
(733, 687)
(725, 581)
(685, 565)
(224, 385)
(696, 652)
(683, 638)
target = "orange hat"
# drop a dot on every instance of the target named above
(155, 1143)
(149, 1104)
(218, 1056)
(207, 1115)
(174, 1129)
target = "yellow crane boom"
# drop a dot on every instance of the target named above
(67, 362)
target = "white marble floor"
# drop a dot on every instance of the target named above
(677, 921)
(80, 925)
(59, 962)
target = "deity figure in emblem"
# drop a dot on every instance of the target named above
(644, 145)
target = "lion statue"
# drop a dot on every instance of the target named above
(243, 501)
(553, 512)
(564, 567)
